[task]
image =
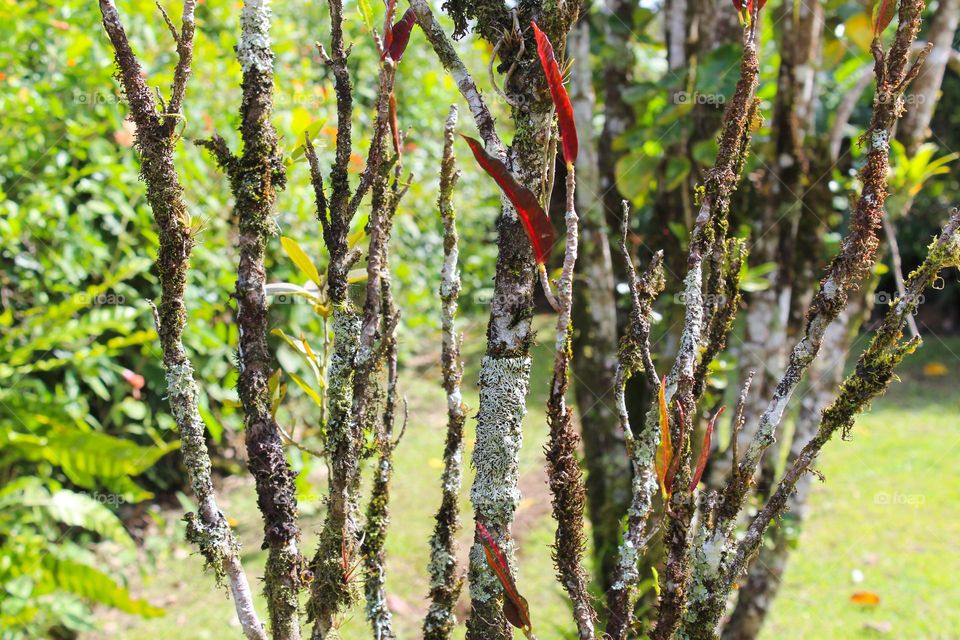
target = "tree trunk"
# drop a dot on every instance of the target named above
(505, 369)
(595, 333)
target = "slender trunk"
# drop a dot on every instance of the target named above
(155, 140)
(445, 584)
(595, 334)
(256, 176)
(505, 379)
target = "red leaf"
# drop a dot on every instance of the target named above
(704, 451)
(739, 6)
(393, 123)
(387, 26)
(515, 607)
(883, 12)
(517, 615)
(675, 464)
(400, 35)
(535, 221)
(568, 128)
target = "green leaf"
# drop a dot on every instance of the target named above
(92, 584)
(306, 388)
(301, 259)
(366, 13)
(80, 510)
(89, 457)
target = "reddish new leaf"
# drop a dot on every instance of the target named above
(675, 464)
(568, 128)
(704, 451)
(665, 456)
(535, 221)
(400, 35)
(883, 11)
(136, 382)
(515, 608)
(388, 25)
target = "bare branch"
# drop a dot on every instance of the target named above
(455, 67)
(445, 584)
(563, 468)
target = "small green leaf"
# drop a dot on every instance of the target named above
(366, 13)
(307, 389)
(301, 259)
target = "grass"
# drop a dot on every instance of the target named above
(887, 511)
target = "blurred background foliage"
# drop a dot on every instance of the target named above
(84, 426)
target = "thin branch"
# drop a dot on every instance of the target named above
(210, 531)
(455, 67)
(257, 174)
(445, 584)
(563, 468)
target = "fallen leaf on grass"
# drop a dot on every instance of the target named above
(865, 598)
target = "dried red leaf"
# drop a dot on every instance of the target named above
(704, 451)
(535, 221)
(400, 35)
(561, 101)
(515, 607)
(883, 12)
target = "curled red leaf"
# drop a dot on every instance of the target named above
(515, 607)
(388, 25)
(561, 100)
(534, 219)
(400, 35)
(704, 451)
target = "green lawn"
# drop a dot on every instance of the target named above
(887, 510)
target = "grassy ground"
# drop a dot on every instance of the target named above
(887, 513)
